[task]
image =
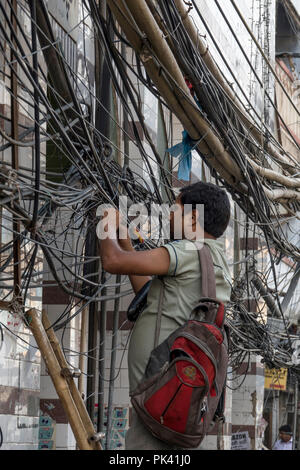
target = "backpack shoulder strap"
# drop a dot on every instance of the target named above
(208, 280)
(208, 285)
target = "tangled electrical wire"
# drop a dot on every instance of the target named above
(50, 212)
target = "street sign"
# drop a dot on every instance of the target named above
(240, 441)
(275, 379)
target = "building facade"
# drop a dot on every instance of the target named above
(31, 414)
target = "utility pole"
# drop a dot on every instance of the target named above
(275, 415)
(114, 343)
(295, 413)
(125, 116)
(15, 152)
(102, 124)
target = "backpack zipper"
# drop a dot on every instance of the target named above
(168, 405)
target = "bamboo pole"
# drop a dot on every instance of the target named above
(135, 15)
(201, 47)
(274, 176)
(143, 17)
(147, 24)
(211, 65)
(86, 421)
(34, 322)
(256, 133)
(153, 69)
(282, 194)
(83, 335)
(154, 72)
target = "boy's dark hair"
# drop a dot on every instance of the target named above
(286, 429)
(216, 205)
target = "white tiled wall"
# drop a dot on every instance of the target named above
(248, 402)
(19, 432)
(64, 437)
(19, 370)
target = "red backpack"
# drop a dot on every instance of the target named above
(182, 392)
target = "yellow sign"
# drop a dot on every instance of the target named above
(275, 379)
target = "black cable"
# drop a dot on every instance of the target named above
(2, 337)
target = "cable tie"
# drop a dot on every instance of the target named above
(97, 437)
(205, 52)
(67, 373)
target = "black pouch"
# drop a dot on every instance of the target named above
(138, 303)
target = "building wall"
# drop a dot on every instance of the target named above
(19, 386)
(289, 116)
(19, 356)
(248, 401)
(253, 13)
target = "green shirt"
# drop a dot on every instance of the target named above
(182, 293)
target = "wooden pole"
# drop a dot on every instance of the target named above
(272, 175)
(170, 81)
(211, 65)
(148, 21)
(153, 69)
(295, 414)
(143, 17)
(34, 322)
(167, 91)
(249, 124)
(86, 421)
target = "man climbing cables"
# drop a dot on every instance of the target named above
(178, 263)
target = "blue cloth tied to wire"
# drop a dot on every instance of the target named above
(183, 150)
